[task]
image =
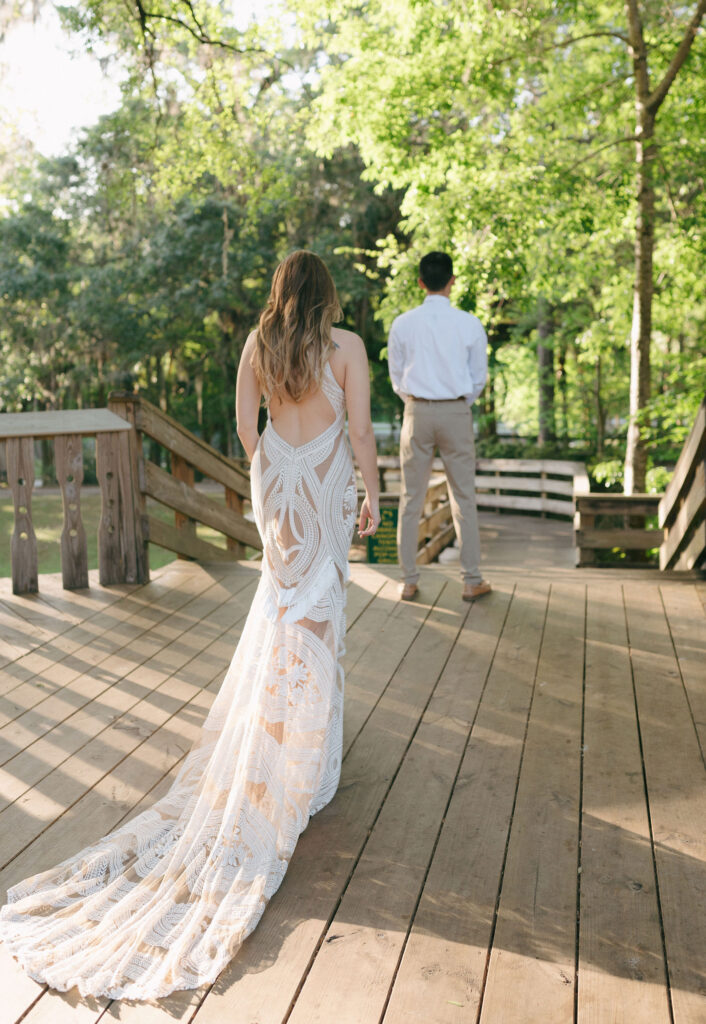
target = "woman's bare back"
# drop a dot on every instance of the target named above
(300, 422)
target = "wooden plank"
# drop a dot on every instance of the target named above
(526, 483)
(166, 536)
(531, 967)
(694, 554)
(694, 450)
(110, 549)
(148, 698)
(622, 973)
(641, 540)
(687, 626)
(692, 511)
(355, 966)
(428, 525)
(68, 453)
(162, 428)
(560, 467)
(51, 688)
(19, 991)
(436, 544)
(181, 470)
(20, 479)
(521, 503)
(125, 405)
(163, 488)
(618, 504)
(677, 797)
(68, 421)
(440, 977)
(236, 504)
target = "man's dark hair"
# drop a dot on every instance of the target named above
(436, 270)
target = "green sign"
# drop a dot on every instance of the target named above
(382, 547)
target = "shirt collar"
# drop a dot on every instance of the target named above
(437, 298)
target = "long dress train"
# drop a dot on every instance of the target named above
(164, 901)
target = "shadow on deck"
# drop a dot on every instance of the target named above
(518, 833)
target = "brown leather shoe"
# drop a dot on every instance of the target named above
(408, 591)
(473, 590)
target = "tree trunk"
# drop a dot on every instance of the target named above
(600, 414)
(563, 401)
(545, 372)
(641, 334)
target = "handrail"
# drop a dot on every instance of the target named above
(118, 555)
(682, 510)
(176, 490)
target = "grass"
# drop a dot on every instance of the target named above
(47, 517)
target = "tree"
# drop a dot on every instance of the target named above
(510, 130)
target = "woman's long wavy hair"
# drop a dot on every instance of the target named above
(293, 338)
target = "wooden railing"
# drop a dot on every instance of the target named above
(520, 485)
(119, 556)
(682, 510)
(176, 489)
(605, 522)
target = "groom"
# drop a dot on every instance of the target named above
(438, 366)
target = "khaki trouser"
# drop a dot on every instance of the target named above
(448, 425)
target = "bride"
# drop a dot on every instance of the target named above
(164, 901)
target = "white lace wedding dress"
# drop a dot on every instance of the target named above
(164, 901)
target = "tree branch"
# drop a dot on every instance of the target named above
(199, 33)
(563, 43)
(655, 101)
(607, 145)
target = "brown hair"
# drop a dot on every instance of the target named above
(293, 337)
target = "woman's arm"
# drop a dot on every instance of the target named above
(360, 431)
(247, 399)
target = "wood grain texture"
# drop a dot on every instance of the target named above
(68, 457)
(68, 421)
(622, 973)
(692, 511)
(165, 489)
(674, 775)
(693, 452)
(162, 428)
(183, 544)
(442, 894)
(126, 407)
(20, 479)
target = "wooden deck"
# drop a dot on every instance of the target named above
(519, 831)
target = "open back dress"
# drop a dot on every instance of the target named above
(164, 901)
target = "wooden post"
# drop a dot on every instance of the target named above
(110, 554)
(234, 502)
(20, 478)
(68, 457)
(543, 478)
(181, 470)
(127, 405)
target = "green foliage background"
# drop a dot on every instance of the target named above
(369, 133)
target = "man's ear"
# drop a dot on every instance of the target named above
(421, 283)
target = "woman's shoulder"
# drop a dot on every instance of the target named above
(344, 339)
(347, 345)
(348, 348)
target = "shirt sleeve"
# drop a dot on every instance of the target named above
(395, 359)
(477, 362)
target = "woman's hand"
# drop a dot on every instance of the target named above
(369, 517)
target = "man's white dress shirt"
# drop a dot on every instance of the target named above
(438, 351)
